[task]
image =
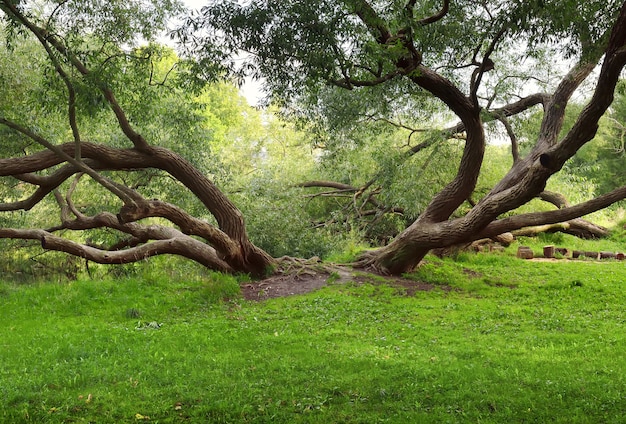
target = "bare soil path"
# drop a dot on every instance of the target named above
(307, 277)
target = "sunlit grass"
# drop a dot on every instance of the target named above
(513, 341)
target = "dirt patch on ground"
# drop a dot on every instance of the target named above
(306, 280)
(571, 260)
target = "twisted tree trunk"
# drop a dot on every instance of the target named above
(527, 177)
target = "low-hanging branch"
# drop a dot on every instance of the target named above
(186, 247)
(66, 157)
(140, 209)
(553, 217)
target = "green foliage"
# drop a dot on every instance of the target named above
(498, 161)
(299, 48)
(296, 46)
(619, 233)
(597, 167)
(551, 21)
(213, 128)
(349, 252)
(278, 221)
(601, 162)
(117, 21)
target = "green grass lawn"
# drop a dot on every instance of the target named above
(514, 341)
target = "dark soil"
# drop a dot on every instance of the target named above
(309, 279)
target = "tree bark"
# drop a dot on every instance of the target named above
(232, 250)
(226, 248)
(577, 227)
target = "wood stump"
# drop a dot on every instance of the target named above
(562, 251)
(524, 252)
(607, 255)
(548, 251)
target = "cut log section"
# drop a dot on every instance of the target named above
(524, 252)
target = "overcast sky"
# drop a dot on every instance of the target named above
(195, 4)
(251, 90)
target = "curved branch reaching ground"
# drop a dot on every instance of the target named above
(109, 158)
(188, 224)
(227, 248)
(230, 240)
(555, 216)
(183, 246)
(578, 226)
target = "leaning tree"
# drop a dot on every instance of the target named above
(82, 53)
(84, 57)
(449, 51)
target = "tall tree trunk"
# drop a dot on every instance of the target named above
(409, 248)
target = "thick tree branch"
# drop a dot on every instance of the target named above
(586, 126)
(188, 224)
(526, 179)
(375, 24)
(506, 111)
(555, 109)
(229, 218)
(178, 245)
(577, 227)
(109, 158)
(46, 185)
(64, 156)
(557, 199)
(555, 216)
(202, 252)
(548, 156)
(511, 109)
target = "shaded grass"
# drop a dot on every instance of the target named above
(514, 342)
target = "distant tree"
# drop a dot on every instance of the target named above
(480, 60)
